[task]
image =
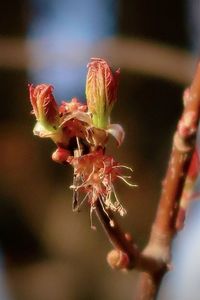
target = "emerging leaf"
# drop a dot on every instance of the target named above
(101, 91)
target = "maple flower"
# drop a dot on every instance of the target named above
(72, 106)
(101, 91)
(75, 120)
(94, 176)
(80, 133)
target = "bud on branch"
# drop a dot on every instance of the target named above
(101, 91)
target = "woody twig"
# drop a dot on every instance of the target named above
(165, 225)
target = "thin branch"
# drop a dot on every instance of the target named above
(126, 253)
(188, 192)
(116, 236)
(182, 150)
(164, 226)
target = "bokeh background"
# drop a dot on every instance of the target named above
(46, 251)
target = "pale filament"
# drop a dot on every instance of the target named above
(130, 184)
(123, 166)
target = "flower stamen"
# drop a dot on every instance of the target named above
(129, 184)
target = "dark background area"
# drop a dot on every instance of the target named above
(49, 252)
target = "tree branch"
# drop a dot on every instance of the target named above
(116, 236)
(164, 226)
(126, 253)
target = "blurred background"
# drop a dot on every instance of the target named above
(46, 251)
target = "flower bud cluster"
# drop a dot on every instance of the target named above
(81, 132)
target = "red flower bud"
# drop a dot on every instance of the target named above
(44, 105)
(101, 91)
(118, 259)
(60, 155)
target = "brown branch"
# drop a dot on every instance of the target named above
(125, 253)
(116, 236)
(188, 191)
(164, 226)
(182, 150)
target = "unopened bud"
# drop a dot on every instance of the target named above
(44, 106)
(117, 259)
(60, 155)
(101, 91)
